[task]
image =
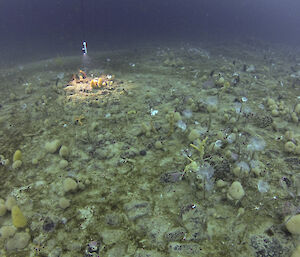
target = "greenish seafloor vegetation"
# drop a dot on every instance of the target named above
(190, 151)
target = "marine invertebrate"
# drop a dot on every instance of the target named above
(78, 120)
(18, 218)
(94, 83)
(206, 172)
(82, 73)
(200, 147)
(37, 248)
(17, 155)
(102, 81)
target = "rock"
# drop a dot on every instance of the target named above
(112, 236)
(92, 248)
(116, 251)
(113, 219)
(137, 209)
(154, 229)
(175, 234)
(262, 120)
(171, 177)
(265, 246)
(18, 242)
(184, 249)
(147, 253)
(48, 224)
(193, 219)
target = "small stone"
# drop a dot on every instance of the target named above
(64, 203)
(294, 117)
(28, 89)
(289, 147)
(35, 161)
(274, 112)
(137, 209)
(194, 134)
(69, 184)
(270, 102)
(7, 231)
(184, 249)
(297, 109)
(143, 152)
(12, 97)
(221, 183)
(81, 185)
(2, 209)
(142, 252)
(63, 164)
(53, 146)
(175, 234)
(158, 145)
(112, 236)
(10, 202)
(48, 225)
(235, 191)
(293, 224)
(93, 247)
(16, 165)
(113, 219)
(177, 116)
(64, 152)
(220, 81)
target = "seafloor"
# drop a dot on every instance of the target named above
(186, 150)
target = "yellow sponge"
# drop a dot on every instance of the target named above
(18, 218)
(17, 156)
(94, 83)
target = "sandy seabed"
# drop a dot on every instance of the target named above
(187, 150)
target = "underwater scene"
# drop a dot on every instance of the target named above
(178, 147)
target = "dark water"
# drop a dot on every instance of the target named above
(34, 29)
